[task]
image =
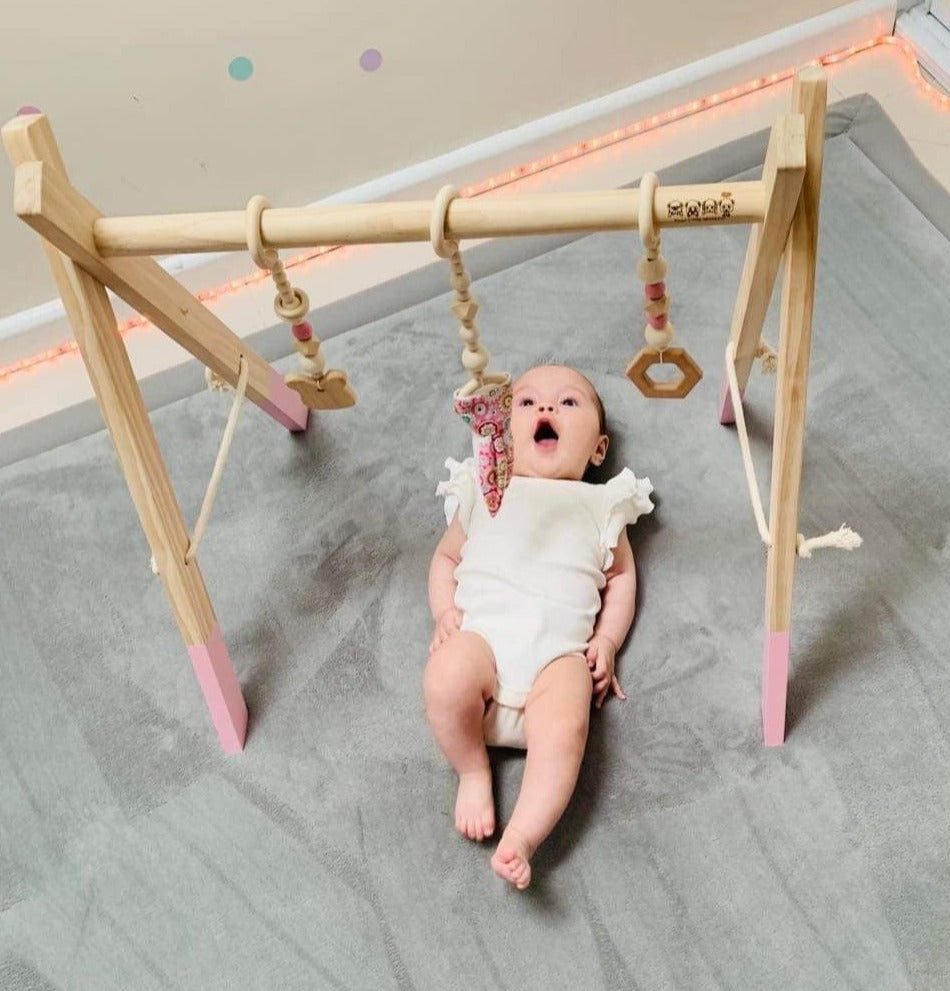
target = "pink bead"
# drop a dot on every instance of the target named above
(658, 322)
(302, 331)
(655, 290)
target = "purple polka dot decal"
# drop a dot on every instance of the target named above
(371, 60)
(28, 110)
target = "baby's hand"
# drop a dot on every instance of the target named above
(601, 659)
(445, 626)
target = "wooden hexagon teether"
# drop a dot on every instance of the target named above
(329, 391)
(638, 373)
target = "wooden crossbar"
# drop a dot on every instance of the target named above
(378, 223)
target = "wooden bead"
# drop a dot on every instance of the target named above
(475, 361)
(313, 366)
(655, 290)
(308, 348)
(460, 282)
(658, 339)
(657, 306)
(465, 310)
(652, 271)
(468, 334)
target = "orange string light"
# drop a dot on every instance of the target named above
(513, 175)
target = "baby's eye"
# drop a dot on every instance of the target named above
(570, 401)
(525, 402)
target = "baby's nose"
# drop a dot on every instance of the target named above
(548, 409)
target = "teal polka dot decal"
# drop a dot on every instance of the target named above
(240, 68)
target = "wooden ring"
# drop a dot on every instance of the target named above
(440, 208)
(648, 232)
(295, 310)
(263, 257)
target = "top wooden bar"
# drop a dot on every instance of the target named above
(377, 223)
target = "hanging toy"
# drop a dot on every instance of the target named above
(484, 402)
(659, 331)
(318, 388)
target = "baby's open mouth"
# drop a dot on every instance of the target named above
(545, 436)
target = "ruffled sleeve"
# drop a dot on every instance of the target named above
(460, 490)
(626, 499)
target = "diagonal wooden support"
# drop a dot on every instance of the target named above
(809, 97)
(782, 177)
(46, 201)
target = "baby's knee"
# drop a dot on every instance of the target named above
(451, 674)
(564, 730)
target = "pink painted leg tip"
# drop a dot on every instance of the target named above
(285, 405)
(774, 687)
(221, 690)
(302, 331)
(727, 414)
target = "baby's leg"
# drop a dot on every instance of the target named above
(556, 720)
(459, 679)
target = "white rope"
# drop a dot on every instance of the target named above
(744, 445)
(844, 538)
(769, 358)
(220, 461)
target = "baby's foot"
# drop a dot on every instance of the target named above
(474, 806)
(511, 859)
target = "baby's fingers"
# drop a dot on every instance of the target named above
(618, 691)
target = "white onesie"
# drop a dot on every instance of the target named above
(530, 578)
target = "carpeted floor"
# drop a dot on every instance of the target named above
(134, 855)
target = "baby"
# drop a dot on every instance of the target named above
(530, 608)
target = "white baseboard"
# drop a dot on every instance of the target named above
(356, 285)
(930, 39)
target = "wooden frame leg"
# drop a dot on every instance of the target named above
(126, 418)
(798, 294)
(782, 174)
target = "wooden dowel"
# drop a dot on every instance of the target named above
(377, 223)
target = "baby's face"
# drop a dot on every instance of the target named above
(555, 424)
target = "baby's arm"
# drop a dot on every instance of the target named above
(442, 583)
(618, 604)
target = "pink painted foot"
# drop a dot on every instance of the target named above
(774, 687)
(285, 405)
(727, 414)
(221, 690)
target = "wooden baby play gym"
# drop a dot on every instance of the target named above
(89, 252)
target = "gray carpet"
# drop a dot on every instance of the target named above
(134, 855)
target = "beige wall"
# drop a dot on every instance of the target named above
(149, 120)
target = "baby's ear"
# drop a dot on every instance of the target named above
(600, 451)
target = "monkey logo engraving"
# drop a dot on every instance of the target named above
(692, 210)
(675, 210)
(710, 209)
(727, 205)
